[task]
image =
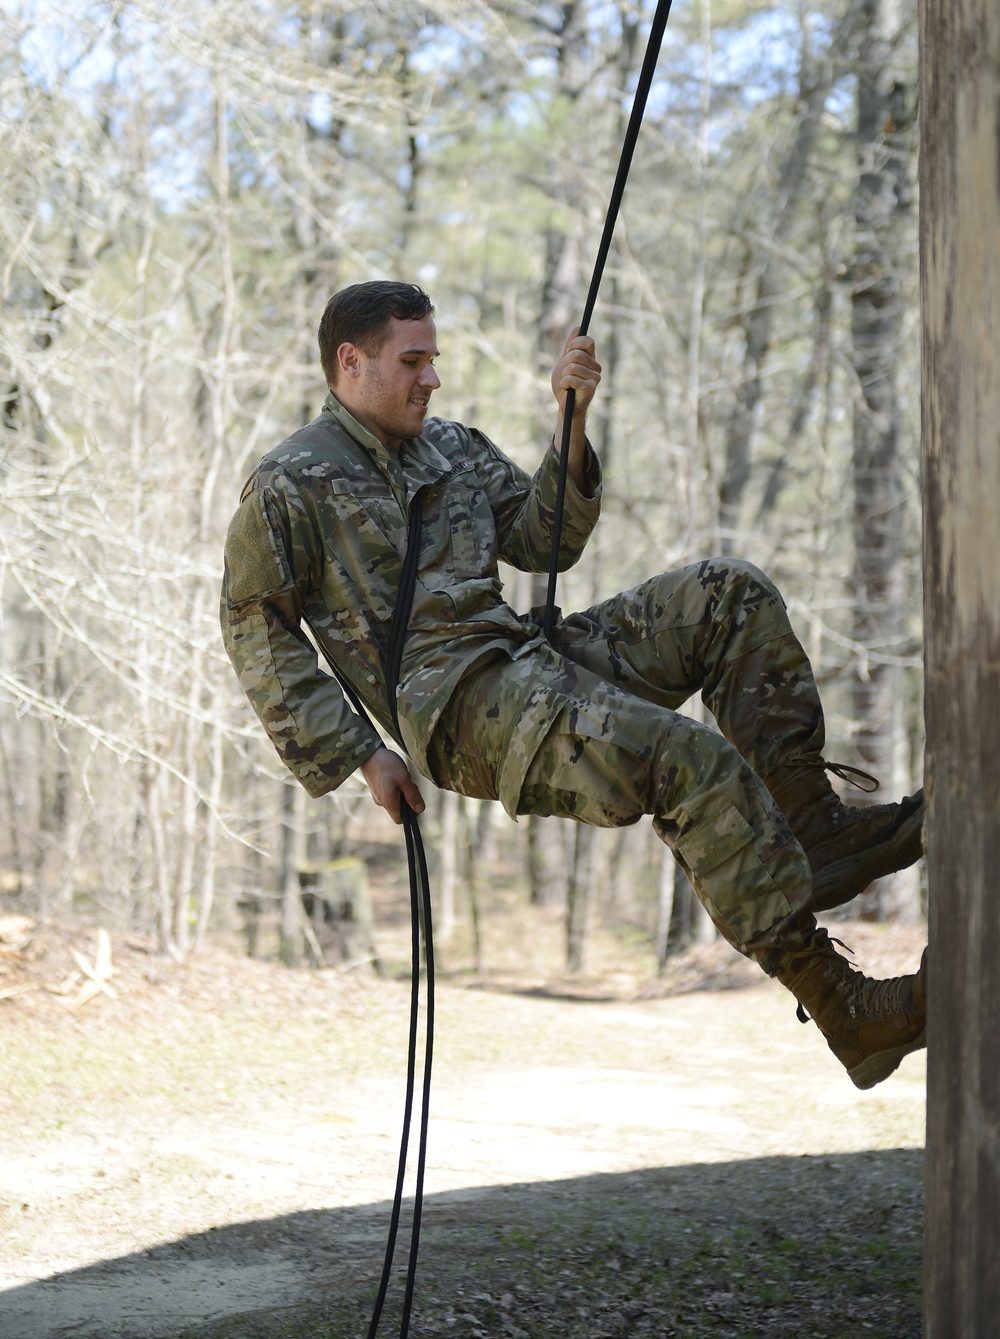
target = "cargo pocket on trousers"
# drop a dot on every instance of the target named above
(737, 889)
(712, 841)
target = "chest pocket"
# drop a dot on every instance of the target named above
(458, 541)
(364, 533)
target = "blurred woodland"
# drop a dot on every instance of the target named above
(183, 184)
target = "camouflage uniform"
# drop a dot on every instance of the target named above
(587, 727)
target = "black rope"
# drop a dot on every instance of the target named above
(420, 901)
(624, 163)
(411, 1068)
(416, 856)
(420, 929)
(420, 926)
(420, 920)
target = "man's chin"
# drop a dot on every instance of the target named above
(411, 426)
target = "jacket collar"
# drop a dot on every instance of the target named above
(424, 463)
(340, 412)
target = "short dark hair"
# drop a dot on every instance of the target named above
(361, 314)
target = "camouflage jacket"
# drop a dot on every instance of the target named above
(318, 541)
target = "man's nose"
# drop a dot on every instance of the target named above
(430, 379)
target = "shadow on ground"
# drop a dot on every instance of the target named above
(807, 1246)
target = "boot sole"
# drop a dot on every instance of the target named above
(845, 879)
(880, 1066)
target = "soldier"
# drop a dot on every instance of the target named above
(586, 726)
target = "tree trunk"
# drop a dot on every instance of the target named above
(665, 913)
(153, 781)
(558, 310)
(702, 508)
(450, 838)
(206, 898)
(546, 859)
(474, 846)
(816, 75)
(578, 897)
(293, 857)
(184, 890)
(960, 254)
(882, 199)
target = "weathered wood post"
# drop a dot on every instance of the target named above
(960, 261)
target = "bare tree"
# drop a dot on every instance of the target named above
(180, 189)
(879, 274)
(766, 265)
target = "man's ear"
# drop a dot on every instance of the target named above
(349, 360)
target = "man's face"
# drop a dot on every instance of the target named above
(389, 394)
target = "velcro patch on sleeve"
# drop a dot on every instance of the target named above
(253, 567)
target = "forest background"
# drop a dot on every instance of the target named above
(181, 188)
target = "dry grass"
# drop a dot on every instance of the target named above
(612, 1154)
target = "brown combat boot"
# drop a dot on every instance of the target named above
(848, 846)
(869, 1025)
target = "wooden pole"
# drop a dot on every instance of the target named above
(960, 297)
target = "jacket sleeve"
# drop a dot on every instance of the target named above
(272, 555)
(524, 507)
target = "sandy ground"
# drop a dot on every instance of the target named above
(220, 1140)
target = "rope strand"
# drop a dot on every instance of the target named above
(420, 900)
(618, 190)
(412, 832)
(415, 851)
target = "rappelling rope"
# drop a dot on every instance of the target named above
(420, 920)
(420, 929)
(420, 902)
(624, 163)
(420, 926)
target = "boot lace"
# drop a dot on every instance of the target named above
(826, 799)
(842, 813)
(853, 776)
(879, 997)
(849, 979)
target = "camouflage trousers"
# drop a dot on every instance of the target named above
(616, 746)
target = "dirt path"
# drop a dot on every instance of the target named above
(212, 1153)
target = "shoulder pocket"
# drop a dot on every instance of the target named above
(255, 565)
